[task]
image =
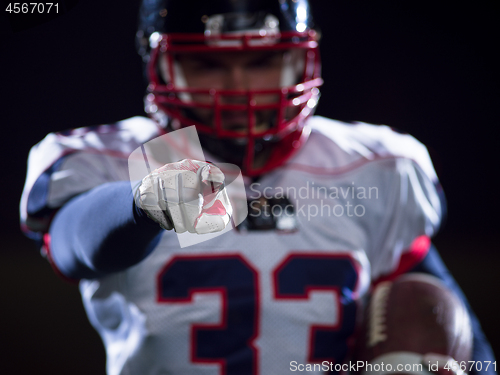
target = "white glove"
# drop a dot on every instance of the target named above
(186, 196)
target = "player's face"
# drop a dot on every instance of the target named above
(240, 71)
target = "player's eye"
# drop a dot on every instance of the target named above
(271, 60)
(205, 66)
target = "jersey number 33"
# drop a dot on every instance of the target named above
(230, 343)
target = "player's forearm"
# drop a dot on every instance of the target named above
(100, 232)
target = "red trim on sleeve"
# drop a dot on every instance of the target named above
(47, 252)
(410, 258)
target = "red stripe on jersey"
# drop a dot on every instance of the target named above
(415, 254)
(46, 250)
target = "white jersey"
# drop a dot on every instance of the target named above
(256, 301)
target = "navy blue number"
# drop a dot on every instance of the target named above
(229, 344)
(301, 273)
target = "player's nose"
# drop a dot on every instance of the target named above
(236, 78)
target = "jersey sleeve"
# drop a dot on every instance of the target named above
(64, 165)
(410, 209)
(398, 196)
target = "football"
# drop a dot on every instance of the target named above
(415, 313)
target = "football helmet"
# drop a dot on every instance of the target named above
(273, 118)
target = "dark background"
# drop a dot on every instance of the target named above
(428, 68)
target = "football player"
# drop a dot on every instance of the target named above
(336, 210)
